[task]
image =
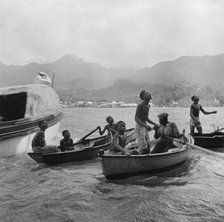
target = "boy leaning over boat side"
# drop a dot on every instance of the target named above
(194, 114)
(66, 144)
(39, 143)
(141, 119)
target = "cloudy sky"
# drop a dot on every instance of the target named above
(113, 33)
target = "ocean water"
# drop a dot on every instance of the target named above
(79, 191)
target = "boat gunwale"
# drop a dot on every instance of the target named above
(208, 137)
(77, 151)
(28, 120)
(32, 126)
(146, 155)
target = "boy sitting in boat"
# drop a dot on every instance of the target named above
(165, 130)
(194, 114)
(119, 141)
(111, 127)
(66, 144)
(39, 143)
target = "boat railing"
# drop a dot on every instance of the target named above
(25, 126)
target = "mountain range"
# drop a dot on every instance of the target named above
(73, 73)
(69, 72)
(202, 70)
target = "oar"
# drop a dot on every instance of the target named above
(216, 131)
(79, 141)
(198, 147)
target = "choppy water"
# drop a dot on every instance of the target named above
(79, 191)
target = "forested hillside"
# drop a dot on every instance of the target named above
(128, 91)
(168, 81)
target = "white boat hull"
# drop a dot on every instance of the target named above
(22, 107)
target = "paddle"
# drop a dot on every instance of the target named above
(197, 147)
(216, 131)
(83, 138)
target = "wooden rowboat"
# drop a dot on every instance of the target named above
(85, 150)
(120, 166)
(209, 140)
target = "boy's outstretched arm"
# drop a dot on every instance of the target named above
(206, 113)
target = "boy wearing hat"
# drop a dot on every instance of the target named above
(141, 119)
(194, 114)
(165, 130)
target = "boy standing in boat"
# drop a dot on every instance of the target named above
(66, 144)
(39, 143)
(194, 114)
(111, 127)
(141, 118)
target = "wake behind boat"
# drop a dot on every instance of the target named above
(22, 107)
(121, 166)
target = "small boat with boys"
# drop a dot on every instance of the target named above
(121, 166)
(84, 149)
